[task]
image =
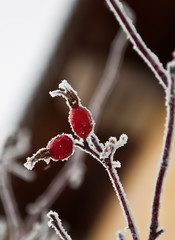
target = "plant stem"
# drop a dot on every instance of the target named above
(123, 200)
(154, 232)
(55, 222)
(117, 187)
(149, 57)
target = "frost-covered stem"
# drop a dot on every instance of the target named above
(123, 200)
(117, 187)
(146, 54)
(10, 207)
(85, 147)
(55, 222)
(170, 125)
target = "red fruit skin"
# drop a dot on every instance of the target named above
(60, 147)
(81, 121)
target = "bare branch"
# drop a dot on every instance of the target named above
(139, 46)
(169, 130)
(55, 222)
(123, 200)
(108, 164)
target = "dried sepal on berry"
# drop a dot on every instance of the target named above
(80, 118)
(41, 154)
(65, 90)
(58, 148)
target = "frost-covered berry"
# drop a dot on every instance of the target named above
(79, 117)
(81, 121)
(60, 147)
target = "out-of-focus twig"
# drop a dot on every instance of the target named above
(16, 145)
(10, 206)
(109, 77)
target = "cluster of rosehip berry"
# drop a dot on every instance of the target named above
(61, 147)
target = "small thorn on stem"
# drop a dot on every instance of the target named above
(160, 232)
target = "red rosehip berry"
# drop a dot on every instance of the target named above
(81, 121)
(60, 147)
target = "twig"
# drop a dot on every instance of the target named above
(149, 57)
(108, 78)
(55, 222)
(170, 97)
(123, 200)
(107, 163)
(9, 203)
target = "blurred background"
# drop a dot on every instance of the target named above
(45, 42)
